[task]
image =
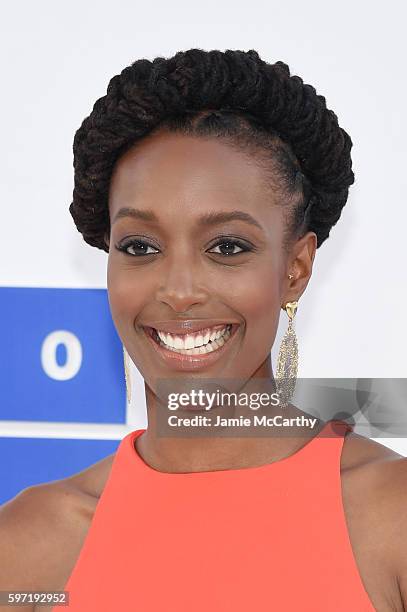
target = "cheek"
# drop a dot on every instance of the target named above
(258, 301)
(127, 293)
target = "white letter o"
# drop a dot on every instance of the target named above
(73, 351)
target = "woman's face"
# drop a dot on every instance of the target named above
(180, 185)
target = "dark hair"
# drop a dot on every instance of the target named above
(235, 95)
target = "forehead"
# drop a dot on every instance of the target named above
(166, 168)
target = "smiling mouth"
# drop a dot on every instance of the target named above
(209, 347)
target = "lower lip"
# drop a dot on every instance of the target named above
(191, 362)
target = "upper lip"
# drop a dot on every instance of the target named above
(186, 326)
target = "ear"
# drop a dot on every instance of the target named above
(300, 264)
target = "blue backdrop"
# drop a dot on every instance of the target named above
(61, 361)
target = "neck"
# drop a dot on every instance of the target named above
(225, 436)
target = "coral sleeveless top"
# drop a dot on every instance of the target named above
(272, 537)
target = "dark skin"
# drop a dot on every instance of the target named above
(191, 278)
(43, 529)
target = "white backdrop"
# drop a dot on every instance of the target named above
(57, 59)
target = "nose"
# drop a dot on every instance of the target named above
(180, 286)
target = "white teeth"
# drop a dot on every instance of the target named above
(162, 335)
(189, 343)
(217, 339)
(177, 343)
(198, 340)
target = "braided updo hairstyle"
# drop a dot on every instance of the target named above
(235, 96)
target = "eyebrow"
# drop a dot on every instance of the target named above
(208, 219)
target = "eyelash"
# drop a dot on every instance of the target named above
(123, 247)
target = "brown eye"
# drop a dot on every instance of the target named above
(137, 248)
(227, 248)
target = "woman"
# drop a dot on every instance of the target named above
(211, 178)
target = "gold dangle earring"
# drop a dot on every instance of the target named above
(127, 375)
(287, 360)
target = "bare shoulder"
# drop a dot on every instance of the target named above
(92, 480)
(359, 450)
(377, 470)
(374, 481)
(43, 528)
(375, 473)
(39, 530)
